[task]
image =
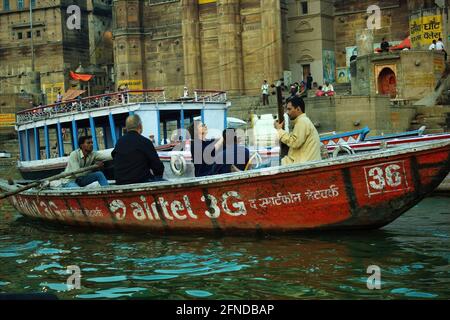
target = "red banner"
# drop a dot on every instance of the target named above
(81, 77)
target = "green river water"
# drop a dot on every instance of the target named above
(413, 254)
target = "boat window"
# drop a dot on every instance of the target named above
(41, 134)
(172, 127)
(53, 142)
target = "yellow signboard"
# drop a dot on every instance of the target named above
(7, 119)
(424, 30)
(51, 90)
(206, 1)
(132, 84)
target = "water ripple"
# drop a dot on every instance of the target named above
(112, 293)
(108, 279)
(199, 293)
(413, 254)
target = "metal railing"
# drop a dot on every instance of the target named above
(210, 95)
(89, 103)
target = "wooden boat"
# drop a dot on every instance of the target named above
(373, 145)
(345, 138)
(391, 136)
(362, 191)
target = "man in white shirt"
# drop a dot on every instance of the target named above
(265, 92)
(440, 47)
(328, 89)
(432, 46)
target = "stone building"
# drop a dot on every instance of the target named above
(58, 48)
(234, 45)
(226, 44)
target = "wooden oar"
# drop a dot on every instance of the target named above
(39, 182)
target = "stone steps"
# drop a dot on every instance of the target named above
(243, 106)
(436, 119)
(342, 89)
(433, 123)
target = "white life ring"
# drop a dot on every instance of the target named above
(258, 160)
(343, 147)
(178, 165)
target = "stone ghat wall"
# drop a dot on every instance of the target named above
(347, 113)
(8, 165)
(340, 113)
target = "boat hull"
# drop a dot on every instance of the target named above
(358, 192)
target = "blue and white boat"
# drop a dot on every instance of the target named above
(48, 134)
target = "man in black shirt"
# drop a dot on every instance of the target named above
(134, 156)
(384, 45)
(309, 81)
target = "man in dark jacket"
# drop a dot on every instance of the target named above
(134, 156)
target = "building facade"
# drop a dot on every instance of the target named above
(226, 44)
(59, 46)
(234, 45)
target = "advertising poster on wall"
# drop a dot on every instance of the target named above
(343, 75)
(424, 29)
(51, 90)
(329, 66)
(131, 84)
(7, 119)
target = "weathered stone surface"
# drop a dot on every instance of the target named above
(57, 48)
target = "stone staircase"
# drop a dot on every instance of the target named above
(343, 89)
(243, 106)
(436, 119)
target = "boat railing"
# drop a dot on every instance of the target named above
(201, 95)
(98, 101)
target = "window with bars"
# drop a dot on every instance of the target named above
(304, 6)
(19, 4)
(6, 5)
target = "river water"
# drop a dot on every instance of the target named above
(413, 254)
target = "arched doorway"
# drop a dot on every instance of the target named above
(387, 83)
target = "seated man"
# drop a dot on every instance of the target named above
(319, 92)
(232, 157)
(134, 156)
(82, 158)
(328, 89)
